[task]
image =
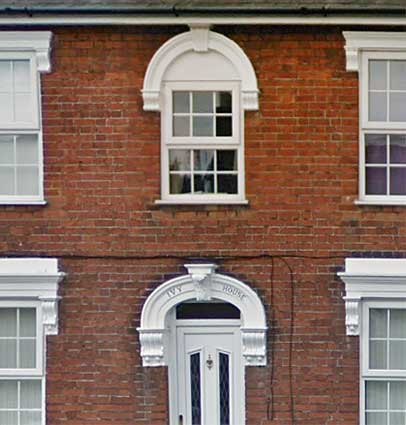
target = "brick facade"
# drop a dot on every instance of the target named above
(102, 175)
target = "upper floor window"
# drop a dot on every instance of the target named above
(380, 59)
(201, 82)
(22, 56)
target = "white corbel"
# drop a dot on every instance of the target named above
(152, 347)
(50, 317)
(352, 316)
(201, 278)
(254, 346)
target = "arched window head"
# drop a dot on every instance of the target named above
(202, 82)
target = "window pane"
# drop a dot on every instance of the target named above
(27, 354)
(27, 149)
(397, 359)
(5, 76)
(375, 148)
(398, 395)
(376, 419)
(224, 388)
(377, 355)
(179, 183)
(224, 127)
(223, 103)
(195, 388)
(30, 394)
(6, 150)
(9, 418)
(398, 181)
(203, 102)
(377, 107)
(398, 75)
(181, 102)
(375, 181)
(6, 107)
(7, 181)
(28, 322)
(397, 418)
(204, 160)
(227, 160)
(179, 160)
(30, 418)
(203, 126)
(27, 181)
(397, 323)
(8, 322)
(22, 80)
(23, 107)
(8, 395)
(181, 126)
(397, 107)
(398, 149)
(204, 183)
(8, 353)
(227, 184)
(376, 395)
(377, 75)
(378, 323)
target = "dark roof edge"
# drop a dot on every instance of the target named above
(178, 11)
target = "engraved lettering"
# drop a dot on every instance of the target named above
(235, 292)
(174, 291)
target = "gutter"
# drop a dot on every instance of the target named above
(174, 15)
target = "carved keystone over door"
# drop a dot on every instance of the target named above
(202, 283)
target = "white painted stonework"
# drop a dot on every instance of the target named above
(34, 279)
(367, 41)
(181, 59)
(202, 283)
(38, 42)
(371, 279)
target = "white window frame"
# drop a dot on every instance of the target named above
(34, 46)
(32, 282)
(371, 283)
(361, 47)
(238, 71)
(235, 142)
(368, 374)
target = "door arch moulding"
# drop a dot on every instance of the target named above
(202, 284)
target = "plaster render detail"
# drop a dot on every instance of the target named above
(37, 42)
(357, 42)
(34, 279)
(371, 279)
(201, 41)
(153, 330)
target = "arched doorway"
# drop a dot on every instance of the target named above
(205, 327)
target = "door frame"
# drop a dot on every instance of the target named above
(237, 381)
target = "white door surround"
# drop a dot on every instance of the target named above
(202, 283)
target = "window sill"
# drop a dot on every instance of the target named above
(201, 202)
(388, 202)
(21, 202)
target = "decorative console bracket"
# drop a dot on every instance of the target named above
(201, 283)
(370, 279)
(201, 277)
(35, 279)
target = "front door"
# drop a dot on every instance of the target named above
(209, 373)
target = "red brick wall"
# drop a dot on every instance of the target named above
(102, 176)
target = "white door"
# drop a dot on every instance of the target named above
(210, 380)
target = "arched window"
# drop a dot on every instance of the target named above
(202, 82)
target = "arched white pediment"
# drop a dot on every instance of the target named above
(199, 51)
(202, 283)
